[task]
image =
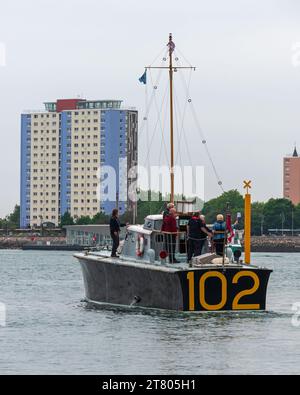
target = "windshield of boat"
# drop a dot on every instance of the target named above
(151, 224)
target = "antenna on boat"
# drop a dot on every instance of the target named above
(247, 222)
(171, 69)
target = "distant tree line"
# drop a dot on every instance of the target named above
(11, 221)
(273, 214)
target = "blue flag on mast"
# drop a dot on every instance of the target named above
(143, 78)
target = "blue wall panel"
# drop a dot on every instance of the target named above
(25, 170)
(112, 155)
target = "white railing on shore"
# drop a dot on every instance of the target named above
(35, 111)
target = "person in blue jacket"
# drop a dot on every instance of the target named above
(219, 231)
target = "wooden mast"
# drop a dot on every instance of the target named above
(171, 48)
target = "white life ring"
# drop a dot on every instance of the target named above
(140, 245)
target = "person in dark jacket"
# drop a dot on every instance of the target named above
(170, 227)
(197, 234)
(219, 232)
(115, 231)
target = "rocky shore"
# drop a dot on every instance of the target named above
(11, 242)
(275, 244)
(259, 243)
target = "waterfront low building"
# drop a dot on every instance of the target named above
(89, 235)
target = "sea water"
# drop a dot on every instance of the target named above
(47, 328)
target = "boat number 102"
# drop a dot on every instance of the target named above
(236, 305)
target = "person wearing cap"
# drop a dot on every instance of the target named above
(167, 210)
(197, 234)
(219, 230)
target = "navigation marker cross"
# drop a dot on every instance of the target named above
(247, 185)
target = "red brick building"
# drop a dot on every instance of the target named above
(291, 177)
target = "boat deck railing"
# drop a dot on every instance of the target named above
(171, 246)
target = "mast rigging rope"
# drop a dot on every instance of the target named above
(199, 129)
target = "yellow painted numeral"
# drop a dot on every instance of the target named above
(222, 303)
(238, 306)
(235, 304)
(191, 280)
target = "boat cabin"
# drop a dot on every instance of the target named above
(148, 243)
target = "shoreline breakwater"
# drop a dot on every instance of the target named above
(258, 243)
(13, 242)
(275, 244)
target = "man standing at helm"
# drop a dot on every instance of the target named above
(197, 234)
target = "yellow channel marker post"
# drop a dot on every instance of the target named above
(247, 225)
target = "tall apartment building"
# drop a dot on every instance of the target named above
(66, 150)
(291, 177)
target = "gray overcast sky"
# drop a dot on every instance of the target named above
(246, 89)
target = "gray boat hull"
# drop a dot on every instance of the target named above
(190, 289)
